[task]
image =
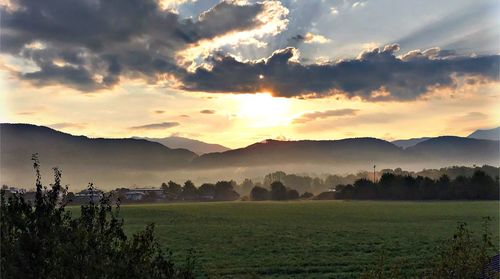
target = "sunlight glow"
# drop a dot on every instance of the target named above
(264, 110)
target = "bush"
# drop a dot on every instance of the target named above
(278, 191)
(224, 191)
(259, 194)
(306, 195)
(326, 196)
(292, 194)
(40, 239)
(465, 256)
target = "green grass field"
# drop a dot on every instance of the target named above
(315, 239)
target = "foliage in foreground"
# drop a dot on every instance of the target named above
(42, 240)
(462, 257)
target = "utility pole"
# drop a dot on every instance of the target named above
(374, 177)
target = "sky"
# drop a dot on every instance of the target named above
(239, 72)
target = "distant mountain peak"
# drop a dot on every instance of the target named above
(196, 146)
(489, 134)
(405, 143)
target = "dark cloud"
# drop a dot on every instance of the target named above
(207, 111)
(310, 116)
(295, 40)
(307, 38)
(89, 45)
(156, 126)
(378, 74)
(226, 17)
(159, 111)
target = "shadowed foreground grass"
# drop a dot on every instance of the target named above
(310, 238)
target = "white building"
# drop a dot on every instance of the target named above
(142, 193)
(134, 195)
(88, 195)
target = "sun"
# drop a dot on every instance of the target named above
(263, 110)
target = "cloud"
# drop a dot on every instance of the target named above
(377, 74)
(473, 27)
(172, 4)
(357, 122)
(471, 116)
(156, 126)
(208, 111)
(65, 125)
(90, 45)
(310, 116)
(357, 5)
(467, 122)
(271, 20)
(474, 115)
(310, 38)
(26, 113)
(229, 16)
(159, 111)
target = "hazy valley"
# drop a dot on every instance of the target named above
(128, 162)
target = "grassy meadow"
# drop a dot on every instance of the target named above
(317, 239)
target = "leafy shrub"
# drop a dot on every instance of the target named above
(41, 239)
(465, 256)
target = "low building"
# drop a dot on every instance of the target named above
(88, 195)
(145, 194)
(29, 196)
(153, 192)
(134, 195)
(13, 190)
(206, 197)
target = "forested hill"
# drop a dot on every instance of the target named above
(19, 141)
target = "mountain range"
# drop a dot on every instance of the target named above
(82, 159)
(120, 162)
(488, 134)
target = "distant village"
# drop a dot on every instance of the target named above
(124, 195)
(446, 183)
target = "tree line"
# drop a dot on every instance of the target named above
(220, 191)
(390, 186)
(320, 183)
(277, 192)
(445, 183)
